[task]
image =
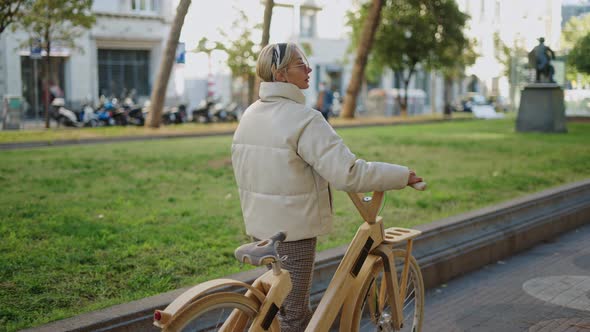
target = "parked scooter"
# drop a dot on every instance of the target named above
(135, 114)
(227, 113)
(105, 113)
(88, 117)
(202, 113)
(118, 113)
(62, 115)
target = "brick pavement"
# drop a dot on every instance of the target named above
(544, 289)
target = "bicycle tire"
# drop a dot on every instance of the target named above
(198, 316)
(413, 303)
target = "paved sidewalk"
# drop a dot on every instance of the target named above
(544, 289)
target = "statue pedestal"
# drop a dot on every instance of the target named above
(541, 109)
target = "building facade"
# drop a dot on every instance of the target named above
(118, 56)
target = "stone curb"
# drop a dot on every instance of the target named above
(447, 248)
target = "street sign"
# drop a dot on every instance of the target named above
(36, 50)
(180, 53)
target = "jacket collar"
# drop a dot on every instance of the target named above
(269, 90)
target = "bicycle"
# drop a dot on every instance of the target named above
(363, 289)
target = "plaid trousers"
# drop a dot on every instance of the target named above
(296, 313)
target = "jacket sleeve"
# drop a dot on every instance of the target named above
(321, 147)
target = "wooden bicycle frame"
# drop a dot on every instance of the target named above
(368, 245)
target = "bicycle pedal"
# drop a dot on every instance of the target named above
(398, 234)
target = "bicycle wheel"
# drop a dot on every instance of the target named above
(212, 313)
(372, 311)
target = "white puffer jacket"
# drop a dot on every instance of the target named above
(284, 154)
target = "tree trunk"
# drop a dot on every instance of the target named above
(368, 34)
(404, 105)
(407, 80)
(159, 90)
(48, 79)
(448, 111)
(268, 6)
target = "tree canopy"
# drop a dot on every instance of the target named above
(56, 22)
(579, 56)
(242, 51)
(412, 33)
(575, 29)
(10, 12)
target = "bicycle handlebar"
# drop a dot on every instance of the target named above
(419, 186)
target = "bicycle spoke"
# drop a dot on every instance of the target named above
(220, 318)
(412, 302)
(409, 302)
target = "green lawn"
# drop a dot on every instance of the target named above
(85, 227)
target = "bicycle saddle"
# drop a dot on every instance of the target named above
(260, 252)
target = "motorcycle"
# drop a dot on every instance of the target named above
(174, 115)
(118, 113)
(105, 114)
(62, 115)
(88, 117)
(202, 113)
(135, 114)
(228, 113)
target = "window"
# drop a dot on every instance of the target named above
(144, 5)
(307, 23)
(121, 71)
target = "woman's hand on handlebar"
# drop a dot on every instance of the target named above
(413, 178)
(416, 182)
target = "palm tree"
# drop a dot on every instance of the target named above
(364, 47)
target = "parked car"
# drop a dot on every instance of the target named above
(467, 101)
(477, 104)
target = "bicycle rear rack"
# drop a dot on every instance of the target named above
(397, 234)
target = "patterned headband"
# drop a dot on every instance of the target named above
(278, 54)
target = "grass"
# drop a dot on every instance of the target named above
(86, 227)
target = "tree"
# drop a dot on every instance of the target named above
(161, 83)
(417, 33)
(576, 28)
(364, 40)
(268, 6)
(10, 12)
(56, 22)
(579, 56)
(242, 53)
(464, 57)
(510, 58)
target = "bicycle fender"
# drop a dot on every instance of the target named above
(195, 292)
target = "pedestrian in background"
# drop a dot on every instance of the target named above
(325, 100)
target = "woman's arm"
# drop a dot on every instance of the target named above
(321, 147)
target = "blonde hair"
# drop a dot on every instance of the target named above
(270, 60)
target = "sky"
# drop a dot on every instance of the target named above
(206, 20)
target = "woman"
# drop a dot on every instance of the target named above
(286, 157)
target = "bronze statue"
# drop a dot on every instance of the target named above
(540, 59)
